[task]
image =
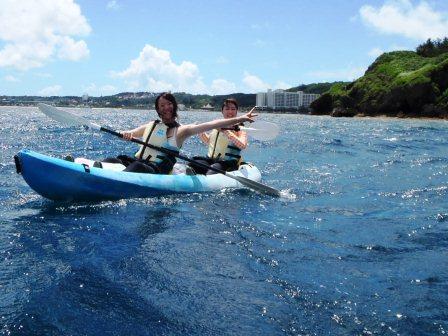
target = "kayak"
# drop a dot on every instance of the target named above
(62, 180)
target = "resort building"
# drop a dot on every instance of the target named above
(280, 99)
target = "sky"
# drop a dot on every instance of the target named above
(96, 47)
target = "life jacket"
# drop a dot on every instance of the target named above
(220, 148)
(155, 134)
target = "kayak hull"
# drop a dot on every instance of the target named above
(62, 180)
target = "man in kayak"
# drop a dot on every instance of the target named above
(224, 145)
(167, 134)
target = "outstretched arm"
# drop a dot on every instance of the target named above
(186, 131)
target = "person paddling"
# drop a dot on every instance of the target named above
(169, 134)
(224, 145)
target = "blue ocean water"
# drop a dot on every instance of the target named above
(358, 247)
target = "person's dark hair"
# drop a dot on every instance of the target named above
(168, 96)
(229, 101)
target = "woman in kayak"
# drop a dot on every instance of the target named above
(167, 134)
(224, 145)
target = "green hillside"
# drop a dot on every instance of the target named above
(400, 83)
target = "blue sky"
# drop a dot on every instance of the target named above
(72, 47)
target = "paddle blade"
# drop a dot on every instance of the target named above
(65, 117)
(262, 130)
(257, 186)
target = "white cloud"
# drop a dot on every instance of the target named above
(10, 78)
(282, 85)
(72, 50)
(154, 70)
(401, 17)
(104, 90)
(113, 5)
(254, 83)
(348, 74)
(34, 31)
(222, 86)
(51, 90)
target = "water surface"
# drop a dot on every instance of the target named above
(358, 247)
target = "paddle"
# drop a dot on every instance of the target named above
(259, 130)
(74, 120)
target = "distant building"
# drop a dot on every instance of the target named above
(207, 107)
(280, 99)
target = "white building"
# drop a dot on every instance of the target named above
(280, 99)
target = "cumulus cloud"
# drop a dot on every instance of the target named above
(222, 86)
(34, 31)
(401, 17)
(51, 90)
(154, 70)
(254, 83)
(282, 85)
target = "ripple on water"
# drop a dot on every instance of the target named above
(355, 245)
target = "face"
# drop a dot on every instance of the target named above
(229, 110)
(165, 108)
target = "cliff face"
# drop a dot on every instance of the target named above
(399, 83)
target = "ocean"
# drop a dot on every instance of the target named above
(357, 246)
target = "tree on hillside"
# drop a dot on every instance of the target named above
(433, 48)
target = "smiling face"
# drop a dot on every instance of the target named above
(229, 110)
(165, 110)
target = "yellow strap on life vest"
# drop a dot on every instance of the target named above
(220, 148)
(154, 134)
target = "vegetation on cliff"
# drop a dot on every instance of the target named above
(317, 88)
(400, 83)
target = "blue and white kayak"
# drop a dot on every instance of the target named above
(62, 180)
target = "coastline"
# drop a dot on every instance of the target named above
(385, 116)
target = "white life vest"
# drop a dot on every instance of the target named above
(220, 148)
(155, 134)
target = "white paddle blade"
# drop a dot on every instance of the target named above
(65, 117)
(262, 130)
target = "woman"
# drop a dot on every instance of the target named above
(224, 145)
(168, 134)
